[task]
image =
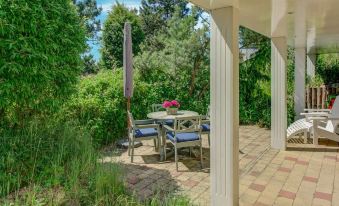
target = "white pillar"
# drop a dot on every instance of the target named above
(224, 107)
(311, 58)
(278, 92)
(299, 81)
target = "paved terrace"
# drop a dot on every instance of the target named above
(267, 176)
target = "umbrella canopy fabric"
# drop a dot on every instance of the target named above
(128, 61)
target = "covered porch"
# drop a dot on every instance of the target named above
(309, 26)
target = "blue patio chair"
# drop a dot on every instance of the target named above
(142, 130)
(185, 133)
(157, 108)
(206, 125)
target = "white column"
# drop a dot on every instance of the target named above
(299, 81)
(278, 92)
(311, 58)
(224, 107)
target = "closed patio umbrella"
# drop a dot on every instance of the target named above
(128, 76)
(128, 64)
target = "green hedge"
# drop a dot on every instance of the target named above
(100, 105)
(41, 43)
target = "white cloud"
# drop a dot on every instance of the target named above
(107, 7)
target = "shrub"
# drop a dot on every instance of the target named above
(100, 105)
(39, 64)
(328, 68)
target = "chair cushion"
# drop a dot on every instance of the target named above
(169, 122)
(183, 137)
(146, 132)
(205, 127)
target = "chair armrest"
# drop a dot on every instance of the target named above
(147, 126)
(144, 122)
(317, 110)
(315, 114)
(333, 118)
(204, 117)
(318, 118)
(168, 128)
(205, 121)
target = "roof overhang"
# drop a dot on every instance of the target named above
(313, 24)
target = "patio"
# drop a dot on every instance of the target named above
(267, 176)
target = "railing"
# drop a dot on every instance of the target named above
(317, 97)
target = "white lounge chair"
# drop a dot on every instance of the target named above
(304, 127)
(331, 129)
(299, 127)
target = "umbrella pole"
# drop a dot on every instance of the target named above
(128, 110)
(128, 103)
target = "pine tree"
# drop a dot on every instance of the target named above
(155, 14)
(112, 35)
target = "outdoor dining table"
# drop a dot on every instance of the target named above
(162, 116)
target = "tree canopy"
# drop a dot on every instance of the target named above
(155, 14)
(112, 36)
(88, 11)
(180, 68)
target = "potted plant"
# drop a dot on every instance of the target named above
(171, 107)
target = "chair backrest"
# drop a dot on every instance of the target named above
(187, 124)
(157, 107)
(331, 125)
(335, 108)
(208, 113)
(131, 119)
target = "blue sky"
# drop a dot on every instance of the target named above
(106, 7)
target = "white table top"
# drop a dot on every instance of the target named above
(162, 115)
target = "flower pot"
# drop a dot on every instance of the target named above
(172, 111)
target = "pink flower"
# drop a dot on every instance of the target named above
(167, 104)
(175, 103)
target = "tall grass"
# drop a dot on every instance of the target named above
(56, 157)
(54, 163)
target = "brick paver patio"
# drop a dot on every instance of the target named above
(267, 176)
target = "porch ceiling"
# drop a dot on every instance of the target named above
(313, 24)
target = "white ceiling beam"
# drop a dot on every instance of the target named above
(278, 18)
(300, 24)
(321, 18)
